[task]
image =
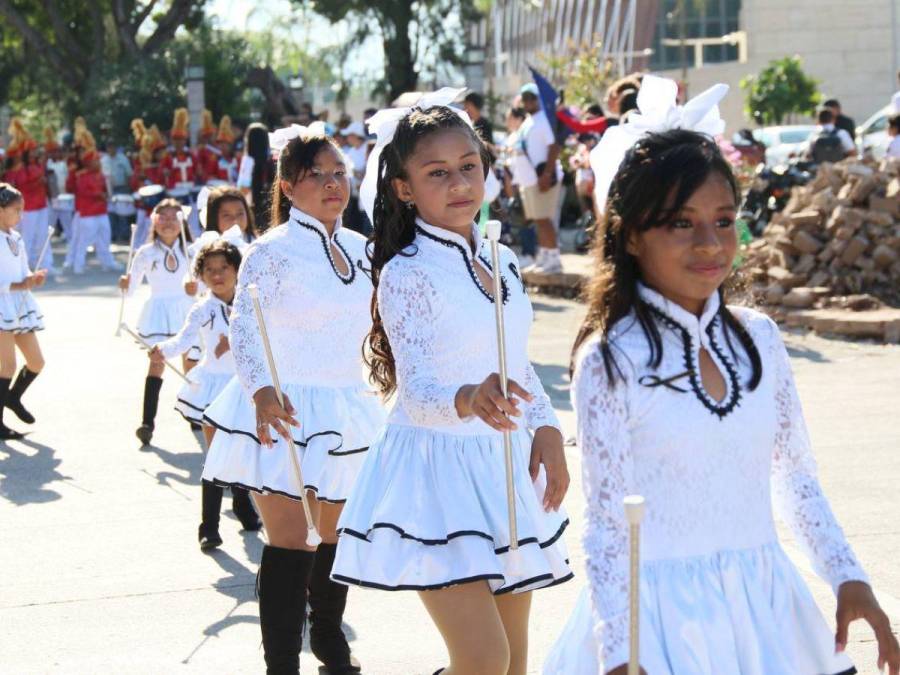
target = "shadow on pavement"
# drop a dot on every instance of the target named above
(556, 384)
(25, 476)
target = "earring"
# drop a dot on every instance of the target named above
(410, 205)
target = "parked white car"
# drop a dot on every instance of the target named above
(783, 142)
(872, 135)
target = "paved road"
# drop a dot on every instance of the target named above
(99, 566)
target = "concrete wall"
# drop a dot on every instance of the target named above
(850, 46)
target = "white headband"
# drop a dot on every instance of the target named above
(659, 111)
(232, 235)
(384, 124)
(279, 138)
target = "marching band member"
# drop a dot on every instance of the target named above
(228, 164)
(28, 175)
(207, 152)
(314, 294)
(217, 264)
(20, 316)
(429, 508)
(691, 403)
(179, 165)
(163, 262)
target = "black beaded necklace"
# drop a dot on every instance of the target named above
(351, 274)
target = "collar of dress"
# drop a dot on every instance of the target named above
(302, 217)
(450, 240)
(695, 326)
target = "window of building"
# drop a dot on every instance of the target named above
(701, 18)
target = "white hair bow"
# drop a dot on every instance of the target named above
(384, 125)
(279, 138)
(233, 235)
(658, 112)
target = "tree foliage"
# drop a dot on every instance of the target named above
(780, 90)
(416, 35)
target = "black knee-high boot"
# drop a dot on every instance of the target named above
(283, 578)
(6, 433)
(152, 385)
(208, 534)
(14, 400)
(327, 601)
(243, 509)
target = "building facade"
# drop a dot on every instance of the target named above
(852, 47)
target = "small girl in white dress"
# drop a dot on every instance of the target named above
(20, 316)
(164, 262)
(429, 510)
(691, 403)
(216, 264)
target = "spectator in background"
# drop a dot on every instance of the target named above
(357, 153)
(828, 143)
(894, 132)
(540, 200)
(257, 172)
(473, 104)
(117, 169)
(841, 121)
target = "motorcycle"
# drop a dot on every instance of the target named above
(770, 191)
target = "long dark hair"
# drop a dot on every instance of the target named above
(217, 197)
(294, 162)
(656, 179)
(256, 145)
(395, 224)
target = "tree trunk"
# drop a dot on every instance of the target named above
(280, 102)
(400, 71)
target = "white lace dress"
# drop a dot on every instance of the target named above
(19, 311)
(164, 268)
(317, 320)
(718, 594)
(205, 325)
(430, 508)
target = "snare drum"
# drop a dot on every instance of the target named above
(151, 195)
(123, 205)
(64, 202)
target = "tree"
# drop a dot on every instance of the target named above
(73, 41)
(413, 33)
(780, 90)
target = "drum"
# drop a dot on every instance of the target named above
(151, 195)
(183, 195)
(64, 202)
(123, 205)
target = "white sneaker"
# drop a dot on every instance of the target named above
(552, 263)
(536, 262)
(526, 261)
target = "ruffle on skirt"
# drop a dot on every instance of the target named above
(162, 317)
(202, 389)
(736, 613)
(337, 425)
(429, 511)
(19, 312)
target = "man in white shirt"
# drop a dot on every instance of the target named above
(828, 143)
(357, 153)
(540, 199)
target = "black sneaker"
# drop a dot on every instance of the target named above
(7, 434)
(209, 539)
(144, 433)
(20, 411)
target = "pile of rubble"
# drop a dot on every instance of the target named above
(836, 244)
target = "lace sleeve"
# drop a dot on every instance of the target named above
(187, 336)
(539, 413)
(409, 306)
(797, 494)
(604, 439)
(139, 267)
(263, 267)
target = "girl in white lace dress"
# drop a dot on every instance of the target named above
(216, 264)
(164, 262)
(429, 511)
(692, 404)
(315, 296)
